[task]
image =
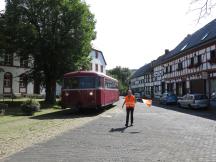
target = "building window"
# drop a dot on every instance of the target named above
(170, 69)
(96, 54)
(102, 69)
(180, 67)
(96, 67)
(7, 80)
(24, 62)
(213, 56)
(8, 59)
(191, 62)
(167, 70)
(91, 66)
(23, 81)
(199, 59)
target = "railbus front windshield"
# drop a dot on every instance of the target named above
(81, 83)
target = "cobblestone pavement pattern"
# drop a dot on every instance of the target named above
(158, 134)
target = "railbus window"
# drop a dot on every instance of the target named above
(87, 82)
(71, 83)
(81, 83)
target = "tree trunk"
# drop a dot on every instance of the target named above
(50, 91)
(37, 85)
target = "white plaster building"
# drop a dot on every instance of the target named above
(98, 62)
(13, 79)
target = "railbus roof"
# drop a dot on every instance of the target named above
(88, 73)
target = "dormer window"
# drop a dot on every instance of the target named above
(204, 37)
(184, 47)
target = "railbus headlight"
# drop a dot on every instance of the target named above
(66, 94)
(91, 93)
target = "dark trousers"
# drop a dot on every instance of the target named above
(129, 113)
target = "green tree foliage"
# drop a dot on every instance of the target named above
(56, 33)
(122, 75)
(2, 35)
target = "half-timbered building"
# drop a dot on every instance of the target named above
(141, 81)
(191, 66)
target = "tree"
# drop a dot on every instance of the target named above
(56, 33)
(204, 7)
(2, 35)
(122, 75)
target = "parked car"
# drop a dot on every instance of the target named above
(213, 100)
(194, 101)
(168, 98)
(140, 100)
(137, 95)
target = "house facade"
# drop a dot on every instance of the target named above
(13, 78)
(98, 62)
(158, 76)
(142, 81)
(190, 67)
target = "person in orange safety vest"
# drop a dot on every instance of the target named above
(130, 102)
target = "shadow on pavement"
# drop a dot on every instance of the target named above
(71, 113)
(134, 132)
(204, 113)
(122, 129)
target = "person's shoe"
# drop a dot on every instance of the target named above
(126, 125)
(131, 124)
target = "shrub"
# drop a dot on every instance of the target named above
(29, 107)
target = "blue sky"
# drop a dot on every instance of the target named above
(133, 33)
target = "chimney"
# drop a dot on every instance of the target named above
(166, 51)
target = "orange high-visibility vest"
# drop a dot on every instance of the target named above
(130, 101)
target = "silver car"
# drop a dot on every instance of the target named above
(194, 101)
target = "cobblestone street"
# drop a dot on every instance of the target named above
(158, 134)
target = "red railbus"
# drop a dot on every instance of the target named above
(85, 89)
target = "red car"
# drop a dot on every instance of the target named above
(84, 89)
